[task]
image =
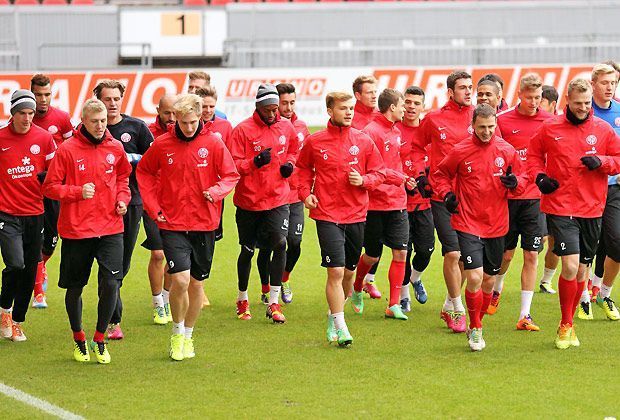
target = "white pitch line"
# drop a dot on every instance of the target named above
(37, 403)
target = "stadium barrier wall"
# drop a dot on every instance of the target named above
(237, 87)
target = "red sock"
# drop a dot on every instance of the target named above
(566, 290)
(285, 276)
(589, 285)
(395, 276)
(98, 337)
(38, 280)
(577, 297)
(46, 258)
(473, 301)
(486, 300)
(79, 336)
(362, 270)
(264, 288)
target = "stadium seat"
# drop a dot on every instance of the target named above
(4, 2)
(82, 2)
(277, 1)
(25, 2)
(54, 2)
(219, 2)
(305, 1)
(249, 1)
(194, 2)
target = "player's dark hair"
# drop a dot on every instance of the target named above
(454, 76)
(483, 111)
(550, 93)
(284, 88)
(494, 77)
(414, 90)
(388, 98)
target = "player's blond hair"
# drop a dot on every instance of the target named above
(188, 103)
(199, 75)
(579, 85)
(602, 69)
(207, 91)
(333, 97)
(360, 80)
(92, 106)
(530, 81)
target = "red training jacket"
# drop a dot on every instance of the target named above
(202, 164)
(77, 162)
(302, 134)
(442, 129)
(56, 122)
(362, 115)
(263, 188)
(222, 129)
(391, 194)
(518, 129)
(557, 149)
(156, 128)
(324, 165)
(22, 157)
(415, 160)
(474, 168)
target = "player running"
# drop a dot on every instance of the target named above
(474, 180)
(90, 178)
(337, 168)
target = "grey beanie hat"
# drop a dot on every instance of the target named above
(267, 95)
(22, 99)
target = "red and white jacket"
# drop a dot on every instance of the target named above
(518, 129)
(415, 160)
(222, 129)
(391, 194)
(22, 157)
(263, 188)
(56, 122)
(324, 166)
(442, 129)
(363, 115)
(302, 134)
(156, 128)
(77, 162)
(174, 173)
(472, 172)
(557, 149)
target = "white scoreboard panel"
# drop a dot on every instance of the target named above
(180, 32)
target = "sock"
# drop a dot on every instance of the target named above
(339, 320)
(285, 276)
(486, 300)
(274, 294)
(79, 336)
(243, 295)
(415, 275)
(158, 301)
(578, 294)
(566, 290)
(395, 276)
(474, 304)
(585, 296)
(98, 337)
(38, 281)
(362, 270)
(166, 295)
(457, 303)
(526, 302)
(188, 333)
(447, 304)
(597, 281)
(499, 283)
(404, 292)
(548, 274)
(46, 258)
(605, 291)
(370, 278)
(264, 288)
(178, 328)
(7, 311)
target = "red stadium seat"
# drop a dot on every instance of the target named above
(276, 1)
(4, 2)
(194, 2)
(219, 2)
(54, 2)
(305, 1)
(82, 2)
(25, 2)
(249, 1)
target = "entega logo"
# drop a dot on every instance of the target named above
(23, 171)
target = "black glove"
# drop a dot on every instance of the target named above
(545, 184)
(286, 170)
(451, 202)
(591, 162)
(41, 176)
(263, 158)
(509, 179)
(411, 192)
(426, 191)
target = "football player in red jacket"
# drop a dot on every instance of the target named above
(570, 158)
(337, 168)
(386, 222)
(187, 213)
(58, 124)
(518, 125)
(286, 108)
(474, 180)
(25, 152)
(90, 178)
(365, 91)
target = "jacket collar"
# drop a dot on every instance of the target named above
(363, 109)
(453, 106)
(334, 129)
(107, 137)
(258, 120)
(381, 119)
